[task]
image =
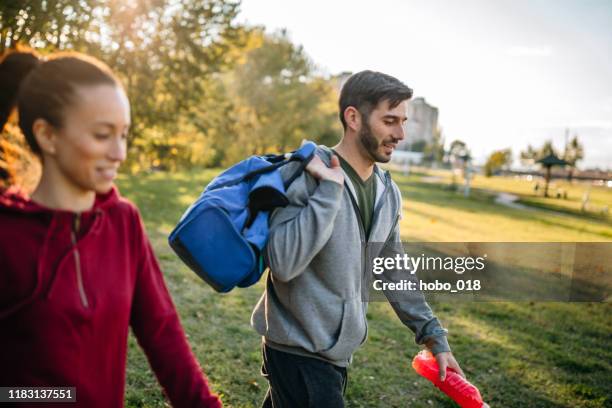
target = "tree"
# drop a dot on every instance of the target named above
(418, 146)
(547, 149)
(168, 53)
(498, 160)
(58, 24)
(279, 98)
(457, 149)
(574, 152)
(460, 159)
(528, 156)
(204, 90)
(434, 151)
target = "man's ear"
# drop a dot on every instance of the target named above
(45, 135)
(353, 118)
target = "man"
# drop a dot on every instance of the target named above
(311, 315)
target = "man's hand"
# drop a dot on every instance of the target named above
(320, 171)
(446, 359)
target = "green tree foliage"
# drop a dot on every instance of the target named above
(170, 54)
(204, 90)
(56, 24)
(418, 146)
(528, 156)
(498, 160)
(547, 149)
(279, 99)
(434, 151)
(574, 152)
(457, 148)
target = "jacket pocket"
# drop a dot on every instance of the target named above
(268, 319)
(352, 333)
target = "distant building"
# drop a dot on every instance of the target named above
(421, 124)
(406, 157)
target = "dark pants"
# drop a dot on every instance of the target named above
(301, 382)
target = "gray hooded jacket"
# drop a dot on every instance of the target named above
(312, 304)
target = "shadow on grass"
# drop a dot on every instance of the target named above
(163, 197)
(540, 355)
(537, 202)
(545, 350)
(439, 195)
(381, 375)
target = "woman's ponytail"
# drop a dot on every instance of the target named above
(43, 90)
(14, 68)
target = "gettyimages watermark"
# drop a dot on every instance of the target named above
(489, 271)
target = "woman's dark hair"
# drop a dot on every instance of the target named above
(44, 88)
(365, 89)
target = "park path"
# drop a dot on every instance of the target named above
(506, 199)
(510, 200)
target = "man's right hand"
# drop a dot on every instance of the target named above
(320, 171)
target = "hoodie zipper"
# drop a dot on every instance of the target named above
(357, 213)
(362, 234)
(77, 260)
(379, 204)
(363, 250)
(364, 239)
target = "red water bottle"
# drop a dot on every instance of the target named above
(459, 389)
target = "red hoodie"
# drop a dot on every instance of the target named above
(70, 286)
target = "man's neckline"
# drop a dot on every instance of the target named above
(363, 182)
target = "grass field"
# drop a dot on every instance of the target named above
(599, 203)
(519, 354)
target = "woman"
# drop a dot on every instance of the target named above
(76, 268)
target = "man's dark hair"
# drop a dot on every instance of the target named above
(365, 89)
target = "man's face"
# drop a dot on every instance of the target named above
(381, 132)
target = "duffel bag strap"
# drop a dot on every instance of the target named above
(304, 155)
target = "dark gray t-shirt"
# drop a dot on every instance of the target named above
(365, 193)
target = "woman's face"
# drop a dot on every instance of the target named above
(92, 142)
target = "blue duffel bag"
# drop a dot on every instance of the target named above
(222, 235)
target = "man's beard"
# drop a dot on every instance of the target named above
(370, 144)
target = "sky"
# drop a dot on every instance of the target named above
(503, 74)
